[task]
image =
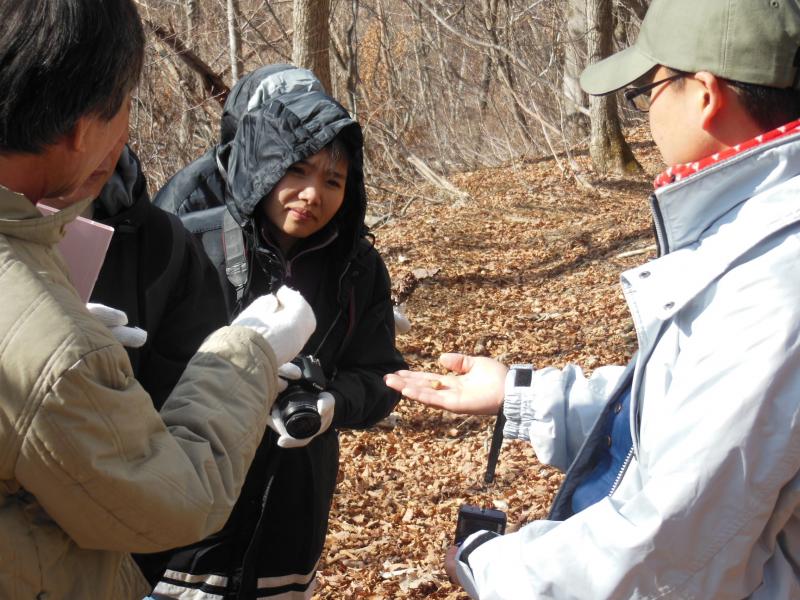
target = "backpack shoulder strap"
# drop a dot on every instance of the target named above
(235, 259)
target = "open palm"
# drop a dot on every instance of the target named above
(475, 388)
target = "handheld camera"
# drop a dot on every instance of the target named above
(473, 518)
(298, 402)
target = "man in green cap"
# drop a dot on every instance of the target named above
(683, 470)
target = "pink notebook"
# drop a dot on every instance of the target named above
(84, 249)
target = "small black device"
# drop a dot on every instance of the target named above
(473, 518)
(494, 448)
(298, 402)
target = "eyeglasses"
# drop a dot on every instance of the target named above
(639, 99)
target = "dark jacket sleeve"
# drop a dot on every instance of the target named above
(181, 316)
(362, 398)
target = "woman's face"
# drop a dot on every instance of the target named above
(306, 198)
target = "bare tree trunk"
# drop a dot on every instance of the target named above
(192, 8)
(234, 40)
(489, 20)
(486, 84)
(385, 50)
(628, 17)
(609, 151)
(504, 67)
(352, 63)
(637, 7)
(574, 62)
(311, 43)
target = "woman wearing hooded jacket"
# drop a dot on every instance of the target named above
(289, 173)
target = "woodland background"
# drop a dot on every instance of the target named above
(504, 201)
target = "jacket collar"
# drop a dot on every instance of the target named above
(707, 222)
(123, 198)
(19, 218)
(684, 210)
(679, 171)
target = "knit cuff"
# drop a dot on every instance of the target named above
(463, 569)
(517, 403)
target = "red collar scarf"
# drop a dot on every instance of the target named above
(678, 172)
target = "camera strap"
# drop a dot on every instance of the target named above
(494, 448)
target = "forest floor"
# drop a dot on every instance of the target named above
(524, 270)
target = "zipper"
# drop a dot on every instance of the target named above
(658, 225)
(622, 470)
(319, 246)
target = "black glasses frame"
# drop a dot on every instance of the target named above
(632, 93)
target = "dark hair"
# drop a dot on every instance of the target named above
(769, 107)
(61, 60)
(338, 149)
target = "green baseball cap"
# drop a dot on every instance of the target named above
(752, 41)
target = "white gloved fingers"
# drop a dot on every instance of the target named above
(290, 371)
(275, 422)
(287, 441)
(110, 317)
(286, 372)
(294, 324)
(285, 320)
(401, 322)
(130, 337)
(291, 300)
(257, 311)
(325, 405)
(282, 385)
(116, 321)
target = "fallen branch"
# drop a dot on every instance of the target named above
(637, 252)
(421, 167)
(212, 82)
(430, 175)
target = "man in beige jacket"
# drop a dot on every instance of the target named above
(89, 471)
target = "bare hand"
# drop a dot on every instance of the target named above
(476, 389)
(450, 564)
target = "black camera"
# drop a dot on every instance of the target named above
(473, 518)
(297, 404)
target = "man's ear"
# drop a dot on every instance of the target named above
(76, 139)
(710, 98)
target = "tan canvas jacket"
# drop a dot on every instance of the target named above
(89, 471)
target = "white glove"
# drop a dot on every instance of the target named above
(284, 319)
(116, 321)
(325, 404)
(286, 372)
(401, 322)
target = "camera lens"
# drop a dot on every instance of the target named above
(298, 409)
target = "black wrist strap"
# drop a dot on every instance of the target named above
(478, 541)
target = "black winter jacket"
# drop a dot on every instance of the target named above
(157, 273)
(273, 541)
